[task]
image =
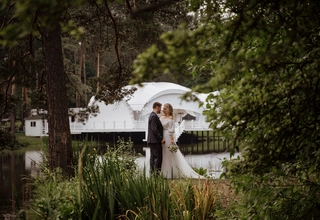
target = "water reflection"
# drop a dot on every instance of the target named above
(33, 158)
(211, 162)
(16, 165)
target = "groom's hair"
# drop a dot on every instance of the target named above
(156, 104)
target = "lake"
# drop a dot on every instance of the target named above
(14, 166)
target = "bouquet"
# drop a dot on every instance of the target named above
(173, 148)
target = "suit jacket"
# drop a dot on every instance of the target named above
(155, 129)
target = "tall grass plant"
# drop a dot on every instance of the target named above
(110, 186)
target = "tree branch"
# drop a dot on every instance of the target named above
(117, 38)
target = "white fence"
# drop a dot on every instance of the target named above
(195, 125)
(134, 126)
(108, 125)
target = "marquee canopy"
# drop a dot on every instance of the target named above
(141, 101)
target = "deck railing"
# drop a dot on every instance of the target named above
(192, 125)
(135, 126)
(180, 129)
(108, 125)
(127, 126)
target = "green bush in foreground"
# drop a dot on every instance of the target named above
(54, 197)
(9, 141)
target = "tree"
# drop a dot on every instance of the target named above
(60, 148)
(44, 19)
(263, 57)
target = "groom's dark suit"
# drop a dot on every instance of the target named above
(155, 136)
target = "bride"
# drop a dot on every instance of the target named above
(174, 165)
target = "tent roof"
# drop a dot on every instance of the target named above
(144, 96)
(152, 90)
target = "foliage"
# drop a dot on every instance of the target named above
(263, 58)
(110, 186)
(101, 179)
(142, 197)
(91, 30)
(137, 196)
(9, 142)
(202, 171)
(54, 197)
(50, 39)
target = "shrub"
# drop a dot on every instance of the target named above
(54, 197)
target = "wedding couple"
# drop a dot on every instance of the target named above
(160, 136)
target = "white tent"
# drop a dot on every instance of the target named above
(139, 105)
(131, 114)
(119, 114)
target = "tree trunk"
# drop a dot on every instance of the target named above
(12, 110)
(98, 71)
(78, 100)
(84, 73)
(60, 146)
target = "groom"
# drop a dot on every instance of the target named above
(155, 138)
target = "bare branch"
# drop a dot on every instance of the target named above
(117, 37)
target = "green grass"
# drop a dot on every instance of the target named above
(34, 143)
(38, 143)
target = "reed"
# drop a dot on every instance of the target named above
(158, 198)
(144, 197)
(110, 186)
(205, 200)
(102, 178)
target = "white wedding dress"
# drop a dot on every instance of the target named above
(174, 165)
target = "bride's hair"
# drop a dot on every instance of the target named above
(169, 109)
